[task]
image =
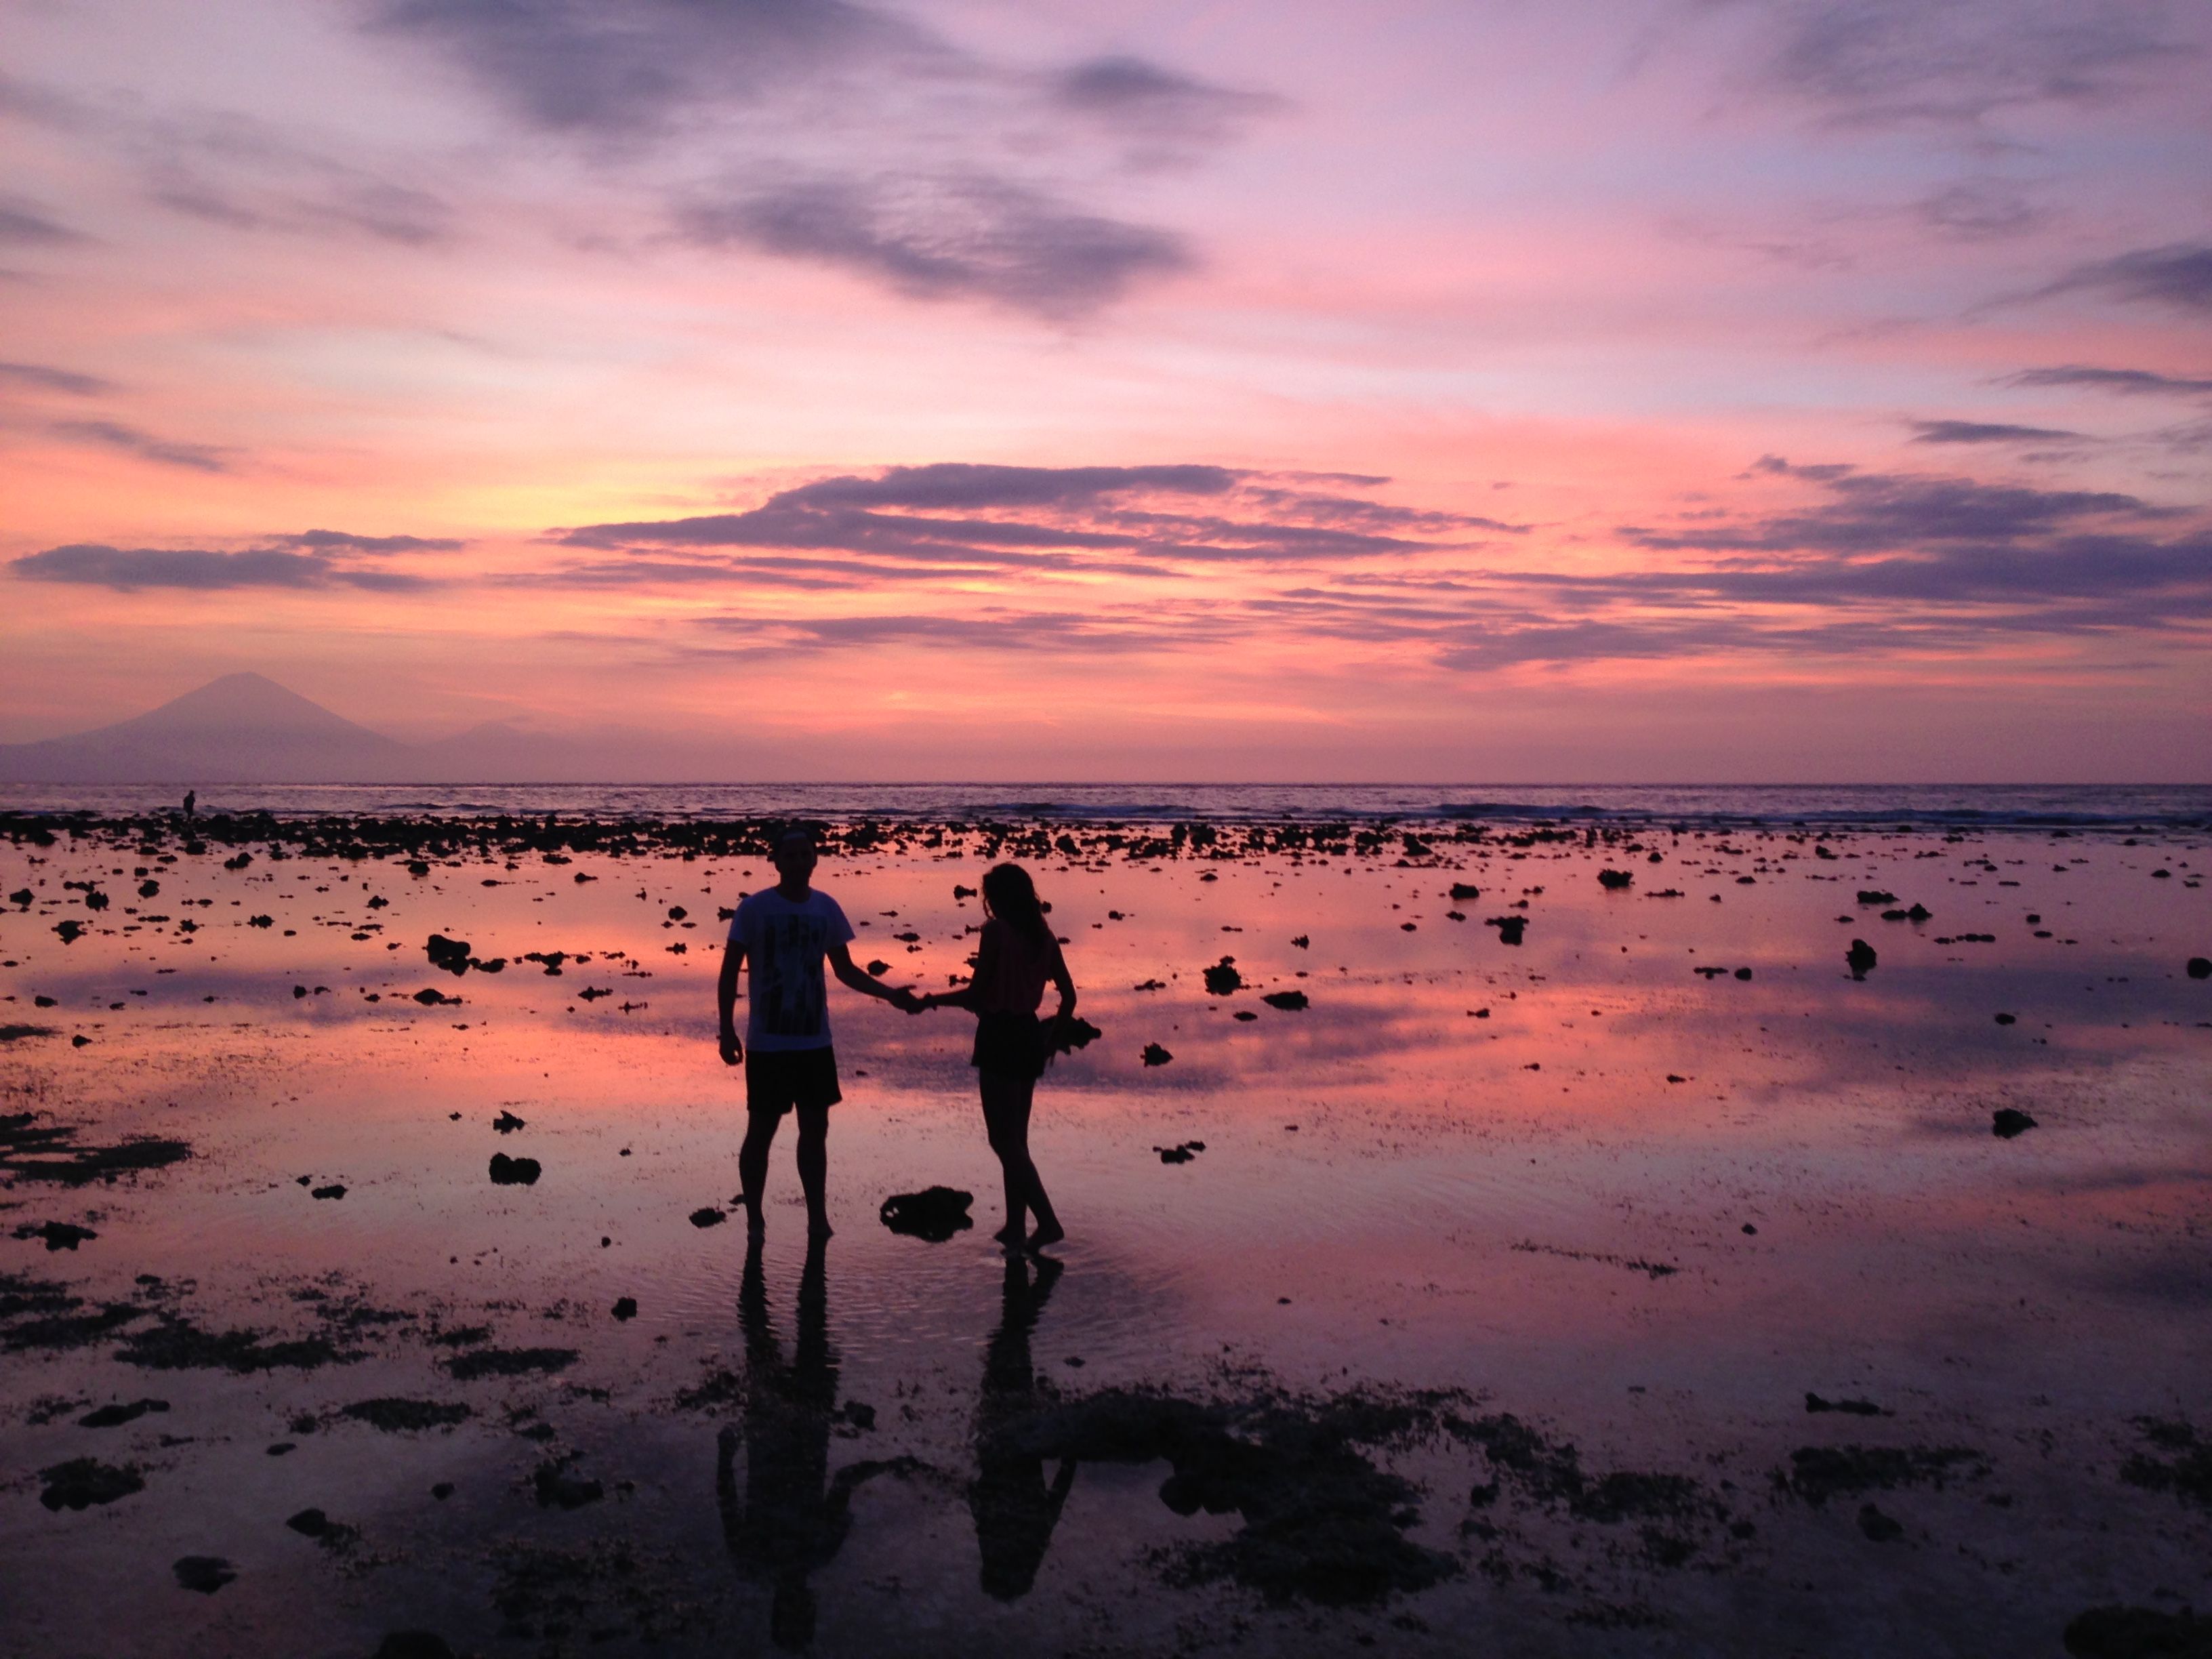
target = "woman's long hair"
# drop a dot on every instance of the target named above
(1011, 896)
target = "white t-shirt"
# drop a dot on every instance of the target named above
(785, 943)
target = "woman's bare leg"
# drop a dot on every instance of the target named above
(1006, 1101)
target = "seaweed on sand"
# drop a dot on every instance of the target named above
(176, 1344)
(2187, 1473)
(38, 1313)
(1820, 1473)
(23, 1138)
(1321, 1521)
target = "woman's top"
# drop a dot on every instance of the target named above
(1011, 972)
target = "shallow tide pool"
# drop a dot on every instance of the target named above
(1652, 1285)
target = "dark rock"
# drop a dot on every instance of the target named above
(1510, 928)
(84, 1481)
(433, 998)
(2118, 1632)
(1244, 1016)
(935, 1213)
(334, 1190)
(1860, 958)
(557, 1489)
(115, 1416)
(57, 1234)
(1223, 978)
(1876, 895)
(708, 1217)
(1465, 889)
(402, 1416)
(879, 968)
(1878, 1527)
(2200, 967)
(2008, 1019)
(1302, 942)
(450, 954)
(1155, 1055)
(205, 1573)
(309, 1523)
(1288, 1001)
(506, 1123)
(514, 1171)
(625, 1307)
(1611, 880)
(676, 913)
(1064, 1036)
(1855, 1407)
(1180, 1154)
(1743, 972)
(2006, 1123)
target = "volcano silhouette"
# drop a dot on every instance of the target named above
(245, 728)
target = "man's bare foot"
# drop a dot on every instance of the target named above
(818, 1227)
(1048, 1232)
(1009, 1235)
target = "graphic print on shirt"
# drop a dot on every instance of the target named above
(788, 995)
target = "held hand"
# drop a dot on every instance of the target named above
(904, 999)
(733, 1051)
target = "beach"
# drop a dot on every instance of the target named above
(1531, 1236)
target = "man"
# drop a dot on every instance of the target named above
(785, 933)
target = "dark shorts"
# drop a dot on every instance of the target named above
(778, 1079)
(1011, 1045)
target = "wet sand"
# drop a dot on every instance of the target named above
(1652, 1285)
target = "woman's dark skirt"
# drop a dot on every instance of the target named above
(1011, 1045)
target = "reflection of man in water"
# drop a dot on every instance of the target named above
(1015, 1510)
(790, 1517)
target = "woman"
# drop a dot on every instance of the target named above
(1017, 955)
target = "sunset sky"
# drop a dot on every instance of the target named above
(1578, 390)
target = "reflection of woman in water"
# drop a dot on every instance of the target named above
(1015, 1510)
(792, 1518)
(1017, 955)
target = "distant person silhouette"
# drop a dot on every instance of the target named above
(1015, 1510)
(787, 1516)
(192, 800)
(1016, 956)
(784, 933)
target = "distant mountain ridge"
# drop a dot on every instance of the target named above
(245, 728)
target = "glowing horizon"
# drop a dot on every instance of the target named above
(1774, 389)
